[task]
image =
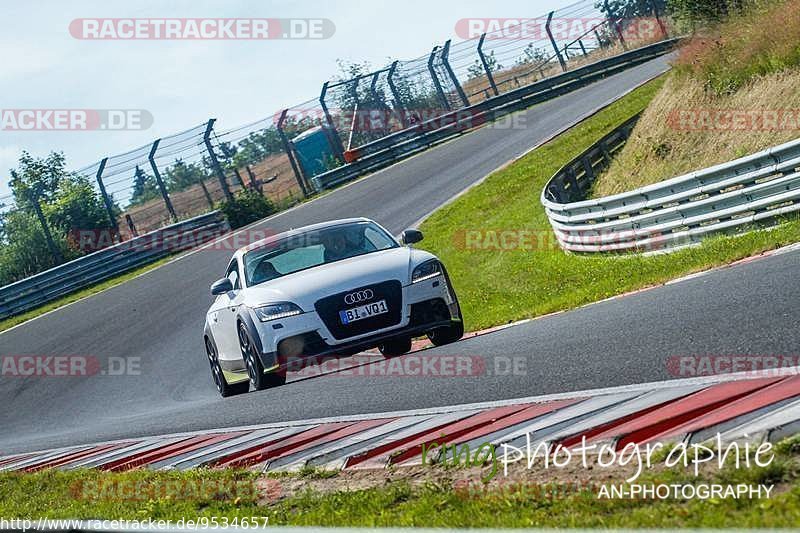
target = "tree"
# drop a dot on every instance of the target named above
(68, 202)
(183, 175)
(476, 70)
(705, 10)
(76, 206)
(145, 187)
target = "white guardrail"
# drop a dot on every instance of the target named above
(730, 197)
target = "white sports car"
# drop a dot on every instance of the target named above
(338, 288)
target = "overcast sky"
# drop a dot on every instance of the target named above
(184, 83)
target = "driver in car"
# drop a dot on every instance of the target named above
(336, 246)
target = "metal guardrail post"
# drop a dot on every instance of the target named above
(331, 132)
(446, 62)
(160, 182)
(215, 162)
(106, 199)
(287, 147)
(486, 65)
(33, 197)
(436, 81)
(398, 101)
(553, 41)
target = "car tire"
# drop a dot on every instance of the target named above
(396, 346)
(447, 334)
(255, 368)
(224, 388)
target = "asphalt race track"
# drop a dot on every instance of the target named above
(158, 318)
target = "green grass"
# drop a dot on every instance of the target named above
(174, 495)
(745, 47)
(497, 287)
(80, 294)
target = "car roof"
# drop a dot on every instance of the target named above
(297, 231)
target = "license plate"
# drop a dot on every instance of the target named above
(363, 311)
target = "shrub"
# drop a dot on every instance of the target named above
(247, 206)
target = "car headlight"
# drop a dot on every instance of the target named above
(427, 270)
(277, 311)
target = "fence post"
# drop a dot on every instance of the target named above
(33, 197)
(374, 92)
(486, 65)
(215, 162)
(160, 182)
(446, 62)
(583, 48)
(106, 199)
(553, 41)
(661, 24)
(287, 147)
(613, 20)
(254, 183)
(398, 102)
(207, 194)
(331, 132)
(239, 178)
(436, 82)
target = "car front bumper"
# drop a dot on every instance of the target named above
(425, 306)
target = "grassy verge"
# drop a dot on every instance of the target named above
(431, 499)
(79, 295)
(497, 284)
(735, 90)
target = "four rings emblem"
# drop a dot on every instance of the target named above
(358, 296)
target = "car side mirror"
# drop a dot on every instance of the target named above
(222, 286)
(410, 236)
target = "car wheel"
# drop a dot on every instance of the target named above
(447, 334)
(255, 368)
(395, 346)
(224, 388)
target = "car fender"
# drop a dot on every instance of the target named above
(246, 317)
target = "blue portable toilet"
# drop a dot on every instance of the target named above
(313, 151)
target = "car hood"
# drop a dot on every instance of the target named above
(304, 288)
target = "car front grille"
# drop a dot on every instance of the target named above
(328, 309)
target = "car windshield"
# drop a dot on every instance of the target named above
(314, 248)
